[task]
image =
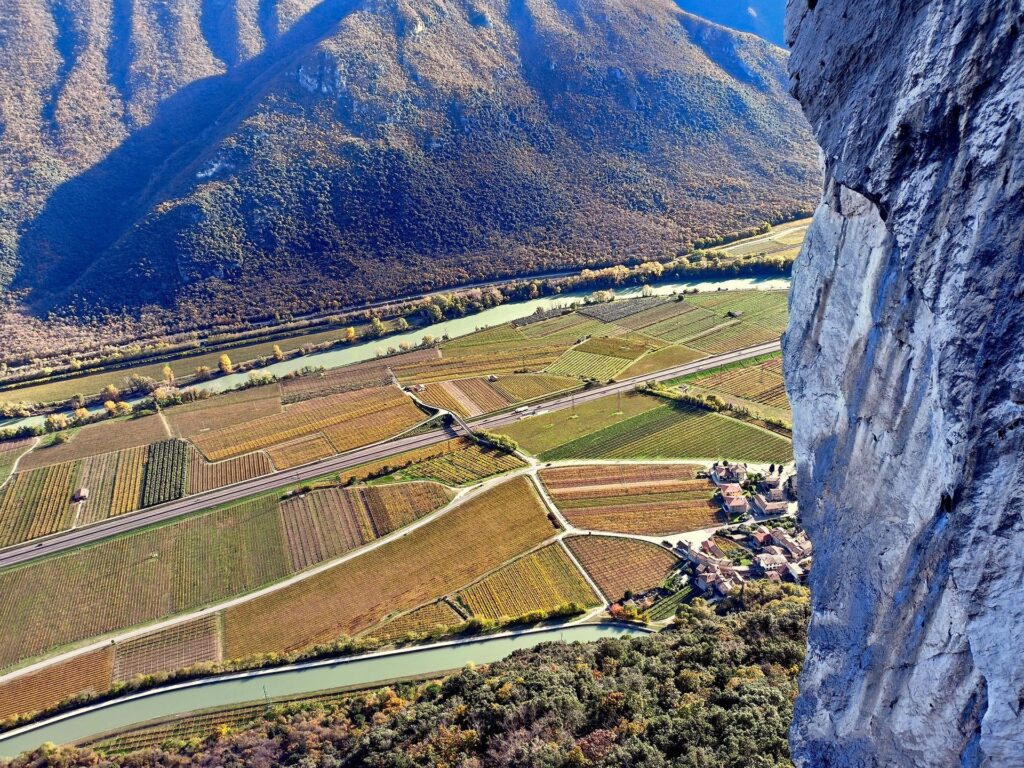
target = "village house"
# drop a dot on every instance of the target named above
(771, 563)
(761, 535)
(728, 473)
(798, 546)
(733, 500)
(764, 506)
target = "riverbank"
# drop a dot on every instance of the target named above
(300, 679)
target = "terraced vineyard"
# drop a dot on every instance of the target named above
(673, 431)
(652, 500)
(443, 555)
(540, 581)
(128, 581)
(620, 565)
(435, 616)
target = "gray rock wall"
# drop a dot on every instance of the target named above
(905, 366)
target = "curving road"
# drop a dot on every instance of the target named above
(64, 540)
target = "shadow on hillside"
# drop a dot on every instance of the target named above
(90, 212)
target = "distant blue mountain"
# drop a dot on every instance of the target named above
(762, 17)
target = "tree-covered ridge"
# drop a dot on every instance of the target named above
(715, 690)
(372, 149)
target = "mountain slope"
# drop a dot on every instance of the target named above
(765, 18)
(307, 155)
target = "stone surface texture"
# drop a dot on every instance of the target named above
(905, 366)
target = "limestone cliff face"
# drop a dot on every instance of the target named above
(905, 366)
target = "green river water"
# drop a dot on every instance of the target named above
(315, 677)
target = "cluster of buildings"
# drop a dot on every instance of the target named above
(768, 495)
(779, 552)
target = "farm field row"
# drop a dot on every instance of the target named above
(540, 581)
(652, 500)
(759, 381)
(620, 565)
(644, 427)
(433, 617)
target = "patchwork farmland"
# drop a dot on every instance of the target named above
(445, 554)
(758, 382)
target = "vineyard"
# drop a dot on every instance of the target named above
(498, 335)
(38, 502)
(621, 565)
(524, 387)
(395, 506)
(584, 365)
(391, 463)
(477, 361)
(373, 373)
(194, 726)
(128, 581)
(690, 323)
(176, 647)
(445, 554)
(204, 476)
(615, 311)
(674, 432)
(540, 434)
(732, 337)
(10, 452)
(666, 607)
(224, 410)
(659, 360)
(299, 452)
(468, 464)
(166, 475)
(95, 439)
(373, 427)
(540, 581)
(87, 673)
(760, 383)
(126, 494)
(324, 524)
(565, 329)
(652, 500)
(435, 616)
(348, 419)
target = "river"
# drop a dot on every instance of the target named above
(288, 682)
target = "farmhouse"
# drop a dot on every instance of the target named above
(733, 500)
(728, 473)
(798, 546)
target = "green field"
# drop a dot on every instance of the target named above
(662, 431)
(666, 607)
(542, 433)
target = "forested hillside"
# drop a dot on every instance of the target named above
(181, 162)
(716, 690)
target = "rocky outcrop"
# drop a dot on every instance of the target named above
(905, 367)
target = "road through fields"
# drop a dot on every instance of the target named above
(65, 540)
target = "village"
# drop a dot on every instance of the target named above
(763, 540)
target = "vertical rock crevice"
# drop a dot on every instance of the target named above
(904, 352)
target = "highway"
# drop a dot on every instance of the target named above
(116, 526)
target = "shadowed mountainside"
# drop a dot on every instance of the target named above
(164, 159)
